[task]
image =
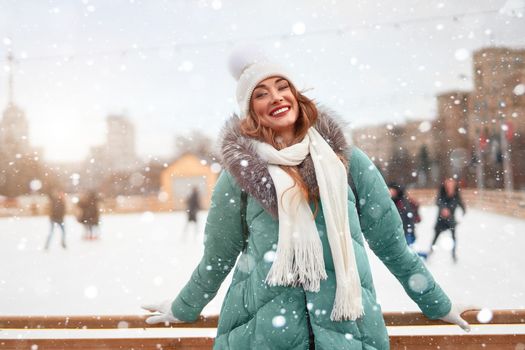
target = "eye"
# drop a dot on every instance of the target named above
(283, 87)
(259, 94)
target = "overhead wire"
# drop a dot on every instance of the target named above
(136, 49)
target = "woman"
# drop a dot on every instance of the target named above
(447, 202)
(303, 280)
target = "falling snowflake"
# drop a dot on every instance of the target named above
(216, 4)
(123, 325)
(91, 292)
(215, 168)
(279, 321)
(461, 54)
(299, 28)
(484, 315)
(269, 256)
(35, 185)
(418, 283)
(158, 280)
(519, 89)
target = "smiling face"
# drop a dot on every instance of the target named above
(276, 107)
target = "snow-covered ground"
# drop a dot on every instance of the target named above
(147, 257)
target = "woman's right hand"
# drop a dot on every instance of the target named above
(163, 313)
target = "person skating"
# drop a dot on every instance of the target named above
(90, 215)
(408, 210)
(57, 211)
(192, 208)
(448, 200)
(309, 284)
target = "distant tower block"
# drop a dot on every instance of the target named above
(120, 143)
(14, 127)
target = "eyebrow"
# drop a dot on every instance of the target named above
(264, 86)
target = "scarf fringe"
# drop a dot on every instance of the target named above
(281, 273)
(309, 265)
(302, 266)
(346, 307)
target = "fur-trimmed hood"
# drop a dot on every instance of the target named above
(240, 159)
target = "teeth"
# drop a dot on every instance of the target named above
(280, 110)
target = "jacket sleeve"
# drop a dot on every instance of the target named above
(383, 230)
(222, 244)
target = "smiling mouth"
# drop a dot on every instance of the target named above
(279, 111)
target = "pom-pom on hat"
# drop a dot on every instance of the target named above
(249, 65)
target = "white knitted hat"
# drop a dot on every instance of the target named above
(249, 66)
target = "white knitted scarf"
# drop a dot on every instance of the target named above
(299, 257)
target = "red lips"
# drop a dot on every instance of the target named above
(288, 107)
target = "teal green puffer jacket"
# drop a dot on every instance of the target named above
(257, 316)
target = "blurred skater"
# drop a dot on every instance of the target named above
(447, 201)
(57, 211)
(90, 215)
(408, 209)
(192, 208)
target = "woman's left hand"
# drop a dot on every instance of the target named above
(454, 316)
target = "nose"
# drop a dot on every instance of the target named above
(276, 97)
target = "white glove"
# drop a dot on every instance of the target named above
(164, 313)
(454, 316)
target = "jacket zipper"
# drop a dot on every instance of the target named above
(311, 339)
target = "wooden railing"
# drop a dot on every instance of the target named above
(497, 201)
(466, 341)
(492, 201)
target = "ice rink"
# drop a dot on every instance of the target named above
(142, 258)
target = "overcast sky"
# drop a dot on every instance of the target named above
(163, 63)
